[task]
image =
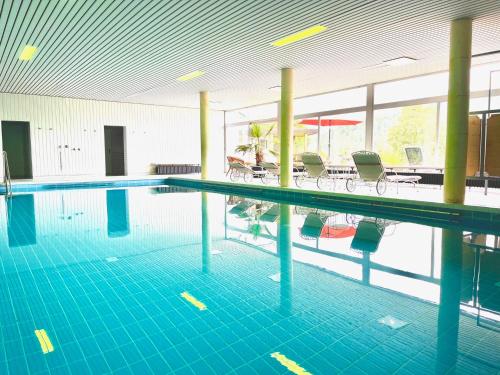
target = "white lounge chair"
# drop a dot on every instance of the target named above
(239, 171)
(371, 170)
(272, 171)
(315, 169)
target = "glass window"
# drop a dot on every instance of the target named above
(441, 136)
(261, 112)
(397, 128)
(235, 136)
(270, 141)
(244, 136)
(305, 137)
(412, 88)
(480, 76)
(331, 101)
(340, 136)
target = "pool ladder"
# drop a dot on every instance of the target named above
(6, 176)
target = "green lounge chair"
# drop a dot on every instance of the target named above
(414, 155)
(272, 171)
(242, 208)
(313, 226)
(314, 168)
(368, 236)
(371, 170)
(271, 215)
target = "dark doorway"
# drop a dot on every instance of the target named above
(117, 207)
(21, 228)
(114, 147)
(17, 144)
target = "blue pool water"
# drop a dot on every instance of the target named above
(161, 280)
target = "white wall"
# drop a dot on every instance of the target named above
(153, 134)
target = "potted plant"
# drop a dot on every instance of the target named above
(258, 134)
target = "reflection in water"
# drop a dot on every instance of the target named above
(285, 255)
(206, 237)
(339, 277)
(369, 233)
(480, 280)
(117, 209)
(21, 222)
(449, 301)
(367, 237)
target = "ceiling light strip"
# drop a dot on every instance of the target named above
(192, 75)
(307, 33)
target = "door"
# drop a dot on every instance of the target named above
(17, 144)
(114, 150)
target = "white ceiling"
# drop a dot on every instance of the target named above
(133, 51)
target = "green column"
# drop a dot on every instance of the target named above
(204, 133)
(286, 261)
(458, 111)
(449, 300)
(206, 237)
(286, 127)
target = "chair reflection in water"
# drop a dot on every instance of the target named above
(318, 224)
(368, 235)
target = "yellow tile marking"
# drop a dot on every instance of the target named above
(292, 366)
(192, 300)
(44, 341)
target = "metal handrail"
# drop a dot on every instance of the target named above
(6, 175)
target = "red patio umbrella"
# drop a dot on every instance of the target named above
(330, 122)
(337, 231)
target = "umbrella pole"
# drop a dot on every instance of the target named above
(329, 143)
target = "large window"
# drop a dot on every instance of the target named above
(260, 112)
(412, 88)
(401, 127)
(340, 136)
(305, 137)
(410, 112)
(235, 136)
(327, 102)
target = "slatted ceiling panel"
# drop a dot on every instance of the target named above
(134, 50)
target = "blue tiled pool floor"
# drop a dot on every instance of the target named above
(118, 309)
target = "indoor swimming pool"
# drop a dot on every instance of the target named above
(168, 280)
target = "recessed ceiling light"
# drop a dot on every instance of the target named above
(299, 35)
(27, 53)
(192, 75)
(404, 60)
(275, 88)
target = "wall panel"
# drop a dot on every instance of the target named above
(67, 135)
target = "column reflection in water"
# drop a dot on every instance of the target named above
(206, 238)
(449, 303)
(117, 210)
(285, 255)
(21, 222)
